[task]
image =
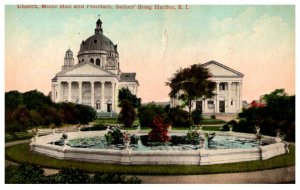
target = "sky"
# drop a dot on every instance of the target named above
(258, 41)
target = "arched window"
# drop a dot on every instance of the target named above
(98, 62)
(92, 60)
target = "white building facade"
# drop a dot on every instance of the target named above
(96, 79)
(228, 98)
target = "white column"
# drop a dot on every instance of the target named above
(80, 92)
(116, 97)
(217, 100)
(102, 95)
(92, 94)
(113, 96)
(58, 91)
(240, 96)
(69, 91)
(237, 96)
(229, 97)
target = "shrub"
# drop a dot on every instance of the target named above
(127, 114)
(197, 116)
(114, 179)
(148, 112)
(95, 127)
(72, 176)
(192, 136)
(24, 174)
(213, 116)
(114, 136)
(159, 132)
(225, 127)
(179, 117)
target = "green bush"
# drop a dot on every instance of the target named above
(114, 136)
(192, 136)
(95, 127)
(148, 112)
(179, 117)
(127, 114)
(24, 174)
(213, 116)
(32, 174)
(114, 179)
(197, 116)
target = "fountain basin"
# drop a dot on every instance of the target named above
(157, 157)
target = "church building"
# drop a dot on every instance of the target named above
(96, 79)
(228, 98)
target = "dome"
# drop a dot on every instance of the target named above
(69, 54)
(97, 42)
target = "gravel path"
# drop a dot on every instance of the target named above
(279, 175)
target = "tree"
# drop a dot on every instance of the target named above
(190, 84)
(127, 114)
(125, 94)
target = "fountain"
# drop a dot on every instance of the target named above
(211, 148)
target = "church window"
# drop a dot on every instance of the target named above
(98, 62)
(231, 102)
(222, 86)
(95, 41)
(82, 60)
(92, 60)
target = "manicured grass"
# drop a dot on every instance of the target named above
(208, 121)
(21, 153)
(113, 121)
(18, 136)
(211, 128)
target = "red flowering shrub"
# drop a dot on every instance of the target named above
(159, 132)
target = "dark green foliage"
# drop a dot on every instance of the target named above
(72, 176)
(95, 127)
(24, 174)
(190, 84)
(114, 136)
(127, 114)
(279, 113)
(125, 94)
(147, 113)
(35, 99)
(213, 116)
(86, 113)
(114, 179)
(197, 116)
(233, 124)
(179, 117)
(26, 110)
(225, 127)
(12, 100)
(192, 136)
(32, 174)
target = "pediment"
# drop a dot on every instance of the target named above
(85, 69)
(220, 70)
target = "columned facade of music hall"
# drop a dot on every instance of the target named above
(228, 92)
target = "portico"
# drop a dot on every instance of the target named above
(96, 79)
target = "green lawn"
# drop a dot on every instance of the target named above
(21, 153)
(209, 121)
(211, 128)
(18, 136)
